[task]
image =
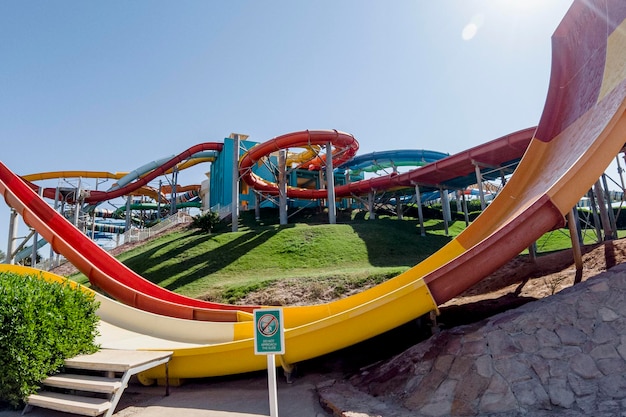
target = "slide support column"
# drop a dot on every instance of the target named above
(479, 181)
(609, 206)
(235, 185)
(330, 185)
(420, 213)
(465, 212)
(596, 217)
(370, 203)
(10, 259)
(445, 205)
(604, 215)
(282, 186)
(573, 226)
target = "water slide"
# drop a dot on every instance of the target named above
(128, 181)
(448, 171)
(581, 130)
(381, 160)
(123, 284)
(102, 269)
(124, 178)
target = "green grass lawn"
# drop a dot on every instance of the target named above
(227, 265)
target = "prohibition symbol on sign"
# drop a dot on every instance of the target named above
(268, 325)
(269, 337)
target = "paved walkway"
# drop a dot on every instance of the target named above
(560, 356)
(234, 397)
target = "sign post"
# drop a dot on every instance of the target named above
(269, 339)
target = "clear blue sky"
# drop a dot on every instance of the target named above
(113, 85)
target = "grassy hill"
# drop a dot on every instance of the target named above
(309, 259)
(225, 265)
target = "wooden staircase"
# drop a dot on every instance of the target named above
(92, 385)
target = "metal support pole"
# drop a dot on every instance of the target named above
(608, 233)
(13, 226)
(348, 180)
(127, 213)
(173, 195)
(257, 207)
(573, 226)
(77, 204)
(370, 203)
(620, 171)
(33, 255)
(235, 184)
(93, 225)
(479, 181)
(399, 210)
(330, 184)
(502, 177)
(444, 203)
(420, 213)
(596, 217)
(447, 211)
(56, 207)
(578, 228)
(159, 201)
(465, 212)
(272, 387)
(532, 252)
(282, 186)
(609, 206)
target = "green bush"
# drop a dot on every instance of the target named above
(206, 222)
(41, 324)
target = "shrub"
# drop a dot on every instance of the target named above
(41, 324)
(206, 222)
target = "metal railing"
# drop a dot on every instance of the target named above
(133, 235)
(137, 235)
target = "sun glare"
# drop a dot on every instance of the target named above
(497, 10)
(521, 6)
(471, 29)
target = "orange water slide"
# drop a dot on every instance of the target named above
(495, 153)
(582, 128)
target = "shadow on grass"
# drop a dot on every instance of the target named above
(202, 264)
(393, 242)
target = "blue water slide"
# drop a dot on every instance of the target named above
(378, 161)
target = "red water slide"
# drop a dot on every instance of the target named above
(102, 269)
(490, 154)
(120, 282)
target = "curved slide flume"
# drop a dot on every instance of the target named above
(131, 181)
(102, 269)
(581, 130)
(381, 160)
(125, 285)
(496, 152)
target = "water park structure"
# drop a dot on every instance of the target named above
(581, 130)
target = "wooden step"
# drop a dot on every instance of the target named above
(86, 406)
(90, 383)
(116, 360)
(123, 363)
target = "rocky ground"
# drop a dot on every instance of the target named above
(521, 281)
(562, 354)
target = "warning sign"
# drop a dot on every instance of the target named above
(269, 336)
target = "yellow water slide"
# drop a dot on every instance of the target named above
(580, 132)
